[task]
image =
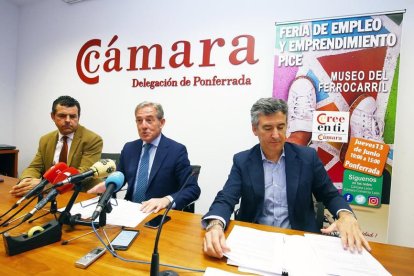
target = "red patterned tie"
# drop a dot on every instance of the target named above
(63, 157)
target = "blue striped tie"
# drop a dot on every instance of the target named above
(141, 180)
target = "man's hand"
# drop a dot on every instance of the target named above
(215, 241)
(154, 205)
(24, 186)
(98, 188)
(349, 230)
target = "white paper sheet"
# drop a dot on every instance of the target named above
(269, 253)
(124, 213)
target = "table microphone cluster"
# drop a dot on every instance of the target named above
(64, 178)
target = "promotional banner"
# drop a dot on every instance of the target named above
(339, 77)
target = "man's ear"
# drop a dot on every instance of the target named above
(162, 122)
(254, 129)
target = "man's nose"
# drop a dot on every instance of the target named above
(275, 133)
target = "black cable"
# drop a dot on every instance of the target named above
(113, 253)
(5, 223)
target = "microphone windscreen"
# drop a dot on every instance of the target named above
(103, 168)
(54, 171)
(116, 178)
(62, 176)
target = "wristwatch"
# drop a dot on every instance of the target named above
(214, 223)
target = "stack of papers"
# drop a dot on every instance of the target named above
(270, 253)
(124, 213)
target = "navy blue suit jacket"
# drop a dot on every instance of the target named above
(169, 171)
(305, 175)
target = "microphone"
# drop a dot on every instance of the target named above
(113, 183)
(100, 169)
(48, 177)
(56, 189)
(155, 260)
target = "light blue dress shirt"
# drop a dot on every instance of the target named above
(275, 206)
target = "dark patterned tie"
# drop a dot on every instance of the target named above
(63, 156)
(141, 180)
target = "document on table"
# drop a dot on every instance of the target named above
(124, 213)
(256, 250)
(338, 261)
(270, 253)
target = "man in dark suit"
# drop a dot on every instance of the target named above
(275, 181)
(166, 169)
(83, 147)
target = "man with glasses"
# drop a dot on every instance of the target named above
(71, 143)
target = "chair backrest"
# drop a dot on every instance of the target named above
(190, 207)
(320, 213)
(113, 156)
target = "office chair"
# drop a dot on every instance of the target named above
(190, 207)
(112, 156)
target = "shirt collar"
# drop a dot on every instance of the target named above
(282, 156)
(154, 142)
(70, 136)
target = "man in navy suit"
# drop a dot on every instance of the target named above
(275, 181)
(168, 166)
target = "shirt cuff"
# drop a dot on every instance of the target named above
(170, 198)
(205, 221)
(346, 210)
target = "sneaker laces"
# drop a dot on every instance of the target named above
(302, 108)
(369, 126)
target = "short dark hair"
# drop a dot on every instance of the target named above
(66, 101)
(267, 106)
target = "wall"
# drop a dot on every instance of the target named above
(213, 122)
(9, 15)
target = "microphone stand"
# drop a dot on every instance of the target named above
(8, 221)
(53, 210)
(101, 224)
(72, 220)
(155, 259)
(66, 217)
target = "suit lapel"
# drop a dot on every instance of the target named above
(162, 152)
(134, 156)
(77, 138)
(256, 174)
(293, 172)
(50, 149)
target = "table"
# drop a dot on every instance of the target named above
(180, 244)
(9, 162)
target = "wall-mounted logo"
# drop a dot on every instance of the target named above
(96, 57)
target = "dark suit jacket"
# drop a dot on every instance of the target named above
(85, 150)
(305, 175)
(169, 171)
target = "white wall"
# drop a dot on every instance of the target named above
(9, 16)
(213, 122)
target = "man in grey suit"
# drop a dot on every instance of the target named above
(275, 181)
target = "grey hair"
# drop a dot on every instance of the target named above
(157, 106)
(267, 106)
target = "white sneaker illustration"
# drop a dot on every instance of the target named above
(301, 103)
(363, 122)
